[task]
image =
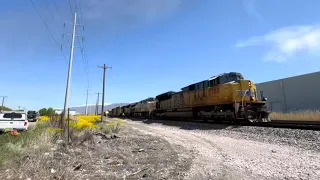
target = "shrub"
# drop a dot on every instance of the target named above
(44, 118)
(112, 126)
(83, 122)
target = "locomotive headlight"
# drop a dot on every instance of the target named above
(249, 83)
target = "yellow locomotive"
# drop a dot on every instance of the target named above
(227, 96)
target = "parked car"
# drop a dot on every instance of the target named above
(33, 116)
(13, 120)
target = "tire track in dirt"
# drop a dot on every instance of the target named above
(221, 157)
(208, 162)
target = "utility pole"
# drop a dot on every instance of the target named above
(87, 102)
(69, 71)
(3, 98)
(97, 112)
(103, 88)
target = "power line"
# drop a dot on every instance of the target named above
(81, 42)
(103, 88)
(83, 48)
(75, 3)
(56, 7)
(44, 22)
(47, 5)
(70, 6)
(78, 7)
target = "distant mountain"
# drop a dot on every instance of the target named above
(92, 108)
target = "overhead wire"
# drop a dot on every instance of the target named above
(44, 22)
(81, 45)
(56, 7)
(84, 52)
(47, 5)
(70, 6)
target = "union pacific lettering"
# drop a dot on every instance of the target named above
(213, 91)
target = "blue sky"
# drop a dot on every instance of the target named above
(153, 46)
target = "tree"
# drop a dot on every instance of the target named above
(50, 111)
(43, 112)
(47, 112)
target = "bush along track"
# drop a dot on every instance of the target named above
(97, 150)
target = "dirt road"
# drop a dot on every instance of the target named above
(220, 153)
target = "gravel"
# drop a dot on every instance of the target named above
(304, 139)
(246, 152)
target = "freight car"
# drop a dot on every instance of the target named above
(145, 108)
(126, 110)
(112, 112)
(227, 96)
(118, 111)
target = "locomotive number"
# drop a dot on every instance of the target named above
(214, 91)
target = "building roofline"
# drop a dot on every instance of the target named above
(289, 77)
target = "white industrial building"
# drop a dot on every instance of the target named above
(292, 94)
(71, 112)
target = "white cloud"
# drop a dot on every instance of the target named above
(287, 42)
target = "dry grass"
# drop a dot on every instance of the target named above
(37, 139)
(35, 152)
(112, 126)
(13, 148)
(297, 116)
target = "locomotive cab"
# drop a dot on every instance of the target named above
(226, 96)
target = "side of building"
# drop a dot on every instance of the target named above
(59, 111)
(293, 93)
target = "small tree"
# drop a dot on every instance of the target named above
(50, 111)
(43, 112)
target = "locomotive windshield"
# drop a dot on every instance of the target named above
(229, 78)
(225, 78)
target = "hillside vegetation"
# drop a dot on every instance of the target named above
(4, 108)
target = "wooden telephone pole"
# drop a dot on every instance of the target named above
(103, 88)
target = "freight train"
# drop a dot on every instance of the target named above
(224, 97)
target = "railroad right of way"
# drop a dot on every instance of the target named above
(241, 152)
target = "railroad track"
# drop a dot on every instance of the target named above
(308, 125)
(305, 125)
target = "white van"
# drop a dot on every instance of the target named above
(13, 120)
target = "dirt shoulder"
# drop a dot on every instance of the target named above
(222, 154)
(174, 150)
(129, 154)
